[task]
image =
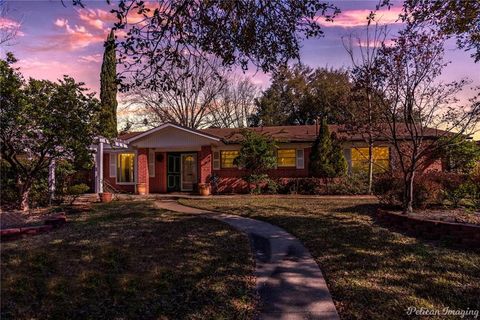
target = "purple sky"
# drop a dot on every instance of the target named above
(56, 40)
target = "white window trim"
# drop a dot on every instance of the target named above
(151, 163)
(300, 159)
(216, 160)
(112, 163)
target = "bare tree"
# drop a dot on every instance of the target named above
(197, 86)
(419, 109)
(9, 28)
(234, 105)
(363, 51)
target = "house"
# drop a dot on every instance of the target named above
(172, 158)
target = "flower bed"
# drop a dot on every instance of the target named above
(467, 235)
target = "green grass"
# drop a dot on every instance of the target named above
(372, 273)
(129, 260)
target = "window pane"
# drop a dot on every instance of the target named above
(286, 158)
(227, 158)
(125, 167)
(381, 159)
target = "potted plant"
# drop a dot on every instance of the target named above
(106, 197)
(204, 189)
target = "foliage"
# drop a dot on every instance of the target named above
(42, 121)
(414, 102)
(454, 18)
(460, 155)
(266, 34)
(108, 90)
(75, 191)
(431, 188)
(257, 155)
(326, 158)
(348, 185)
(301, 95)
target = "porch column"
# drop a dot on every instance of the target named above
(142, 172)
(205, 163)
(99, 168)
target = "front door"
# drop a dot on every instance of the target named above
(173, 172)
(189, 171)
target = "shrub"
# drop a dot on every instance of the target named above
(388, 189)
(430, 188)
(74, 191)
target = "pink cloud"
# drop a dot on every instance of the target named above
(73, 38)
(92, 58)
(96, 18)
(358, 18)
(8, 24)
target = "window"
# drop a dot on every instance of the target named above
(286, 158)
(126, 168)
(381, 159)
(227, 158)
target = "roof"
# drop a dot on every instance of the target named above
(300, 133)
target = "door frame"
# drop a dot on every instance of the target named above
(195, 166)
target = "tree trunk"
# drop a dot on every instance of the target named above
(25, 198)
(370, 167)
(408, 193)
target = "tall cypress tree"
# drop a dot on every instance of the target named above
(326, 157)
(108, 90)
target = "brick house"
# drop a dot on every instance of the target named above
(172, 158)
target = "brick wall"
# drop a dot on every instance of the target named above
(456, 233)
(142, 168)
(204, 164)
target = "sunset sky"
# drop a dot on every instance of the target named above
(56, 40)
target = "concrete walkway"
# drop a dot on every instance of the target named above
(290, 284)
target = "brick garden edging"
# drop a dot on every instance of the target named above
(49, 224)
(465, 235)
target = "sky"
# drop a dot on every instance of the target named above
(56, 39)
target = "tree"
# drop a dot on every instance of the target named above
(257, 156)
(188, 104)
(452, 18)
(263, 33)
(300, 95)
(42, 121)
(417, 109)
(234, 104)
(460, 155)
(326, 158)
(108, 90)
(366, 109)
(11, 28)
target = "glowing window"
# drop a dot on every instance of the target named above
(227, 158)
(381, 159)
(126, 167)
(286, 158)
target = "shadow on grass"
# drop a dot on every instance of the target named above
(129, 261)
(372, 273)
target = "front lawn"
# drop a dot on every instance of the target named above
(129, 260)
(372, 273)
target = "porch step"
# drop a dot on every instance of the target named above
(87, 198)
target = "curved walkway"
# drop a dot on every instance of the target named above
(290, 284)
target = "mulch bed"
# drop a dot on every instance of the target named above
(459, 215)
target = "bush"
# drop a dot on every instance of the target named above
(73, 192)
(318, 186)
(388, 189)
(430, 188)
